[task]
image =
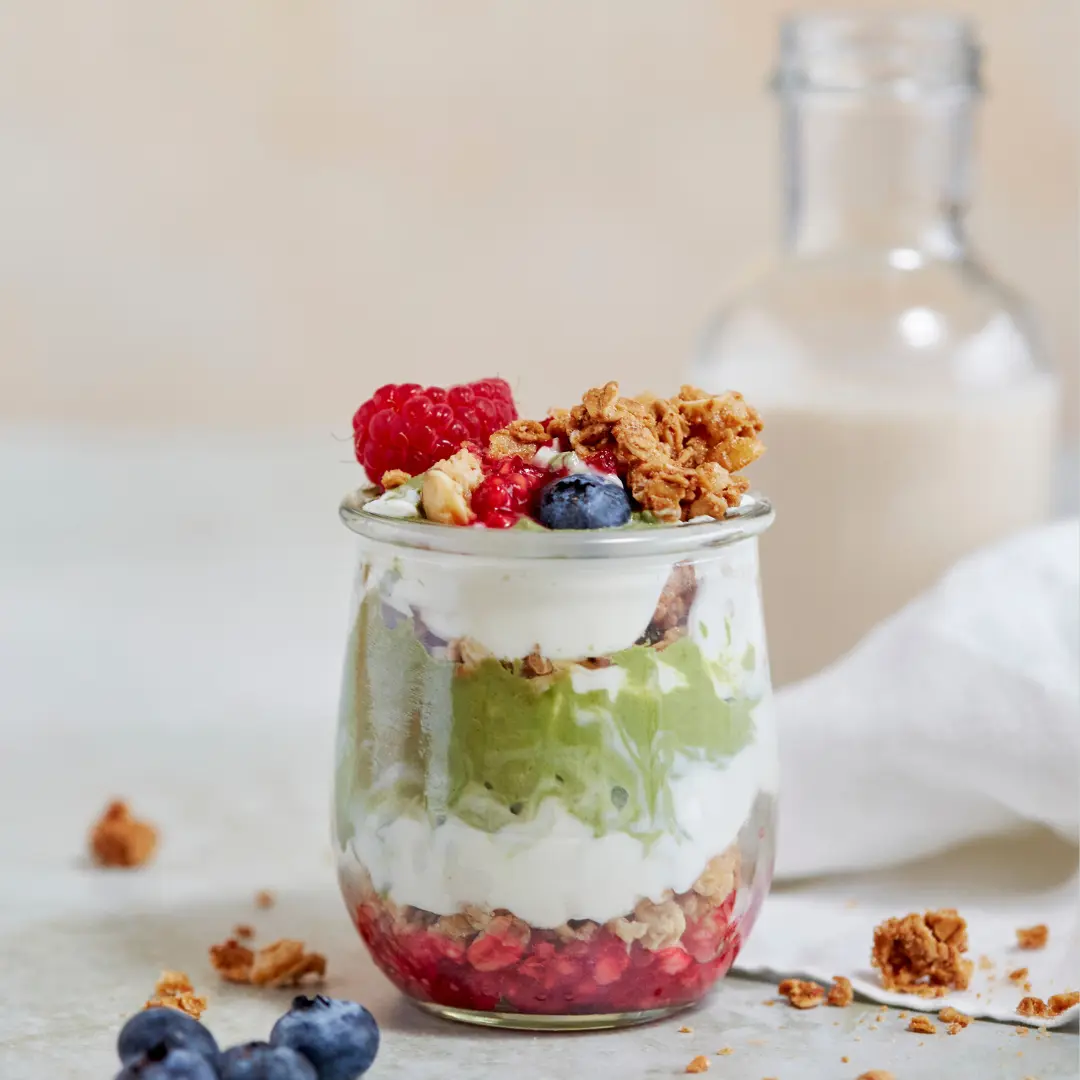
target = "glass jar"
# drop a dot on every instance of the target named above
(909, 419)
(556, 765)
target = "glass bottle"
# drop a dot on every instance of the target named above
(556, 765)
(908, 416)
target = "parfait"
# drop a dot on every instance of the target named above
(556, 769)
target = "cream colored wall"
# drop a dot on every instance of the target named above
(250, 213)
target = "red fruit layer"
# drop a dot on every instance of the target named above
(405, 426)
(502, 970)
(507, 491)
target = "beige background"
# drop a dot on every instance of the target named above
(250, 213)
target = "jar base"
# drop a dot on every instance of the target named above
(509, 1021)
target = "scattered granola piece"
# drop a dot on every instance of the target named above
(1027, 988)
(955, 1029)
(985, 963)
(700, 1064)
(535, 665)
(232, 961)
(1021, 1030)
(920, 954)
(174, 991)
(949, 1015)
(1019, 975)
(1032, 1006)
(118, 839)
(264, 899)
(903, 1014)
(1033, 937)
(285, 963)
(801, 994)
(840, 993)
(686, 1031)
(1059, 1003)
(394, 478)
(845, 1059)
(921, 1026)
(877, 1074)
(724, 1051)
(243, 932)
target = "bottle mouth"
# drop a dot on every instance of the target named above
(899, 55)
(751, 518)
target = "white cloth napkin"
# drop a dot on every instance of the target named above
(957, 719)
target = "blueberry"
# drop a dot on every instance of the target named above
(340, 1038)
(164, 1062)
(583, 501)
(170, 1027)
(261, 1061)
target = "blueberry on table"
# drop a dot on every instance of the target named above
(340, 1038)
(261, 1061)
(164, 1062)
(583, 501)
(161, 1026)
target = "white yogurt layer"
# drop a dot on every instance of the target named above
(553, 868)
(567, 608)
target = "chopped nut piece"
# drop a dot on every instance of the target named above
(920, 954)
(444, 500)
(949, 1015)
(174, 991)
(700, 1064)
(1059, 1003)
(1033, 937)
(921, 1026)
(535, 665)
(1032, 1006)
(1019, 975)
(802, 994)
(394, 478)
(840, 993)
(264, 899)
(120, 840)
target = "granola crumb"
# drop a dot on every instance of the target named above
(1059, 1003)
(949, 1015)
(903, 1014)
(699, 1064)
(724, 1051)
(1021, 1030)
(264, 899)
(985, 963)
(876, 1074)
(243, 932)
(394, 478)
(1032, 1006)
(1019, 975)
(921, 1026)
(174, 991)
(282, 963)
(921, 954)
(1027, 988)
(686, 1031)
(769, 1001)
(845, 1059)
(840, 993)
(120, 840)
(801, 993)
(1033, 937)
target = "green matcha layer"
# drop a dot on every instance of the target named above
(488, 745)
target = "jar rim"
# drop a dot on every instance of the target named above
(896, 54)
(752, 517)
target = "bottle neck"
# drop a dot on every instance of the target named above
(876, 173)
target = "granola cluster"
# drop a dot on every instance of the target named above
(174, 991)
(921, 954)
(281, 963)
(804, 994)
(679, 455)
(119, 839)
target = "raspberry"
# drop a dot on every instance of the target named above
(406, 426)
(507, 492)
(603, 461)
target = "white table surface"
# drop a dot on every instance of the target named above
(172, 619)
